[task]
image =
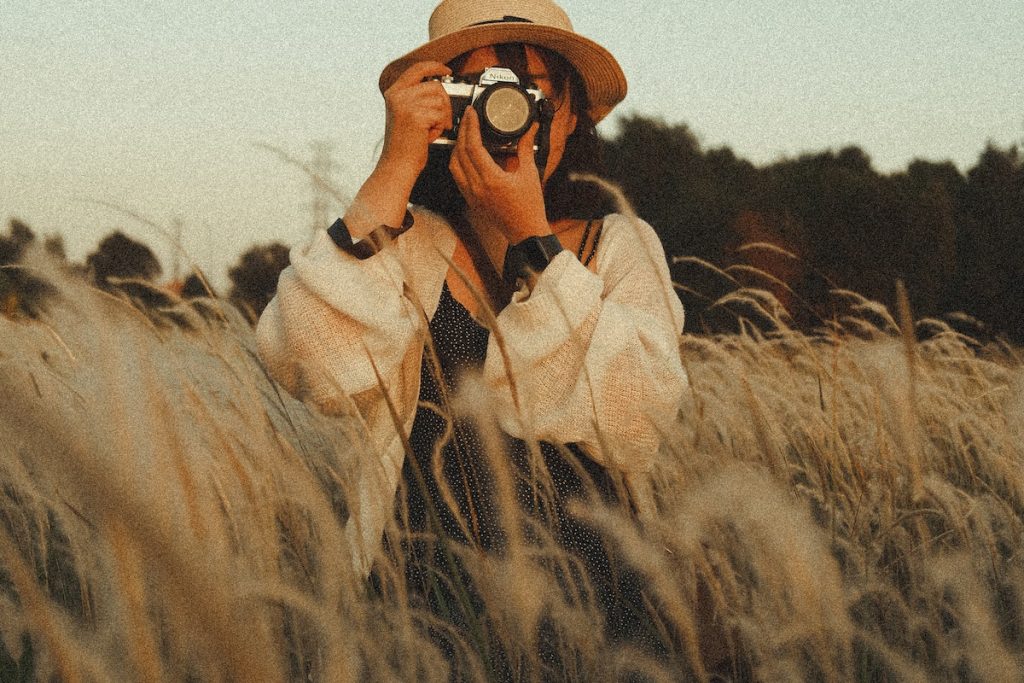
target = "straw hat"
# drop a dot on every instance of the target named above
(458, 26)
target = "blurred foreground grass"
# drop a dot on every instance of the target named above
(846, 506)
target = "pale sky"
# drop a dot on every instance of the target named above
(159, 107)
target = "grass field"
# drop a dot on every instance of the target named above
(846, 506)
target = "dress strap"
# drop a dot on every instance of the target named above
(583, 242)
(593, 248)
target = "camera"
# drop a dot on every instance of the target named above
(505, 108)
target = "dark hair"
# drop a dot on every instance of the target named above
(563, 198)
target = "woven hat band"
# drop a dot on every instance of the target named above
(504, 20)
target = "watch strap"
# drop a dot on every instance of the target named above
(531, 256)
(372, 243)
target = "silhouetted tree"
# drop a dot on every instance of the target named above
(860, 230)
(689, 196)
(990, 273)
(54, 246)
(197, 291)
(120, 257)
(195, 287)
(928, 193)
(19, 237)
(842, 211)
(254, 277)
(22, 292)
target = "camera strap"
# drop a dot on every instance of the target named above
(543, 140)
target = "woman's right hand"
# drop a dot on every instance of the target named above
(418, 111)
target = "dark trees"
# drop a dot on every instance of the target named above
(956, 242)
(860, 230)
(254, 277)
(119, 257)
(22, 292)
(928, 194)
(990, 244)
(689, 196)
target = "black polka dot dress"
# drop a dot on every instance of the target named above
(436, 579)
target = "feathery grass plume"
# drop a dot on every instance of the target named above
(760, 274)
(769, 247)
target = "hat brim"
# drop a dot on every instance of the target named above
(602, 76)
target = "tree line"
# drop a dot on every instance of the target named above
(125, 266)
(956, 240)
(800, 229)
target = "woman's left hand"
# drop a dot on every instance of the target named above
(510, 199)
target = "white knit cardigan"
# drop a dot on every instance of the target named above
(594, 356)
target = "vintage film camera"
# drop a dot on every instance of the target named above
(506, 109)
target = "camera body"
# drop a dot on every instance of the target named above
(505, 108)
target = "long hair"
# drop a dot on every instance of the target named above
(435, 189)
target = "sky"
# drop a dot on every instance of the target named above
(144, 116)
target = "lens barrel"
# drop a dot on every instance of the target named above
(506, 111)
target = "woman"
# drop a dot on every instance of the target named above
(582, 357)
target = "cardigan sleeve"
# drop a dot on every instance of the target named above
(334, 324)
(336, 321)
(594, 357)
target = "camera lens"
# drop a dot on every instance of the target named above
(507, 111)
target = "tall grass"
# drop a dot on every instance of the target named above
(846, 506)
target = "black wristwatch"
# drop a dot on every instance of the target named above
(532, 255)
(372, 243)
